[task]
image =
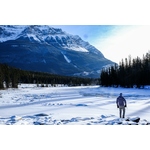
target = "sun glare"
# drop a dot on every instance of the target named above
(132, 40)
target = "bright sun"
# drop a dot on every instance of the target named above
(133, 40)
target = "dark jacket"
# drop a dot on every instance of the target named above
(121, 101)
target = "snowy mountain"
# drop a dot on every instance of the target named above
(47, 49)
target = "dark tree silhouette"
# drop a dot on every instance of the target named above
(129, 73)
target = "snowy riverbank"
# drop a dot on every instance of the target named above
(85, 105)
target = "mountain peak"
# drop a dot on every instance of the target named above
(45, 29)
(11, 32)
(48, 49)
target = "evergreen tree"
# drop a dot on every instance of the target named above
(129, 73)
(1, 77)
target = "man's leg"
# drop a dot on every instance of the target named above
(123, 112)
(120, 111)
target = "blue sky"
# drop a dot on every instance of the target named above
(116, 42)
(87, 32)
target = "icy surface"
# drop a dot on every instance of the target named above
(84, 105)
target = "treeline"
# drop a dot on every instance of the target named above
(129, 73)
(10, 77)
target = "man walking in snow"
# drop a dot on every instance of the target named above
(121, 104)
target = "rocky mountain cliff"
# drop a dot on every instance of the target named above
(47, 49)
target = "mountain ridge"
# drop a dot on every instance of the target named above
(48, 49)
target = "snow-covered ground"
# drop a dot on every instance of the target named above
(87, 117)
(83, 105)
